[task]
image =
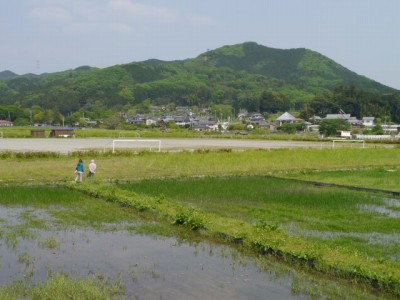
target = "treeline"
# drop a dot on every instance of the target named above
(357, 102)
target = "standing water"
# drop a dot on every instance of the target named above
(150, 267)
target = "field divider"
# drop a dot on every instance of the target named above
(263, 238)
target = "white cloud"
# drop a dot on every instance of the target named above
(50, 14)
(134, 9)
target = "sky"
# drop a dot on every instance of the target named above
(41, 36)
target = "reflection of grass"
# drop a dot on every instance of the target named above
(49, 243)
(133, 276)
(10, 239)
(24, 258)
(153, 273)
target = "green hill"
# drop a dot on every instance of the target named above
(235, 75)
(4, 75)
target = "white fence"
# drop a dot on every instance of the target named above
(373, 137)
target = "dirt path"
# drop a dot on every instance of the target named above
(69, 145)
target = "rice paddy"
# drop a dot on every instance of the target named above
(236, 204)
(61, 244)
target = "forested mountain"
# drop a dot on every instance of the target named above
(4, 75)
(237, 75)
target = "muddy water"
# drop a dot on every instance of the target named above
(150, 267)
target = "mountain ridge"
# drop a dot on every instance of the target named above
(232, 74)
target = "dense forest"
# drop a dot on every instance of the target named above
(246, 76)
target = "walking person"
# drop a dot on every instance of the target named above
(79, 171)
(92, 168)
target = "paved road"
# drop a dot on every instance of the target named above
(69, 145)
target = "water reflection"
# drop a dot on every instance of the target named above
(151, 267)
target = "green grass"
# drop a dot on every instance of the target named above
(251, 223)
(65, 207)
(60, 287)
(229, 194)
(203, 163)
(383, 178)
(38, 196)
(279, 201)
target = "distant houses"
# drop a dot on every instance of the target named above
(62, 132)
(288, 118)
(5, 123)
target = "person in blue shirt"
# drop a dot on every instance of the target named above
(79, 171)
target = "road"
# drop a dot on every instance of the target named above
(66, 145)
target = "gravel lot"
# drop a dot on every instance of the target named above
(65, 145)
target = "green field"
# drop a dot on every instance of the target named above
(325, 215)
(263, 199)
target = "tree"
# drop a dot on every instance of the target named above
(289, 128)
(323, 105)
(273, 102)
(330, 127)
(377, 129)
(306, 112)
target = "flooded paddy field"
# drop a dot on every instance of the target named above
(361, 227)
(48, 231)
(148, 267)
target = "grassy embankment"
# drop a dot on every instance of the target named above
(255, 222)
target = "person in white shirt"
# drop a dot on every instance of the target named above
(92, 168)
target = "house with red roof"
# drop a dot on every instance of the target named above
(6, 123)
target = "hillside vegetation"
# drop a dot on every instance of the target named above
(246, 76)
(233, 75)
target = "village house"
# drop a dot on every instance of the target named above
(6, 123)
(152, 121)
(337, 117)
(62, 132)
(204, 125)
(288, 118)
(368, 121)
(137, 119)
(315, 119)
(354, 121)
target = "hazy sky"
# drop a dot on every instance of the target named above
(40, 36)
